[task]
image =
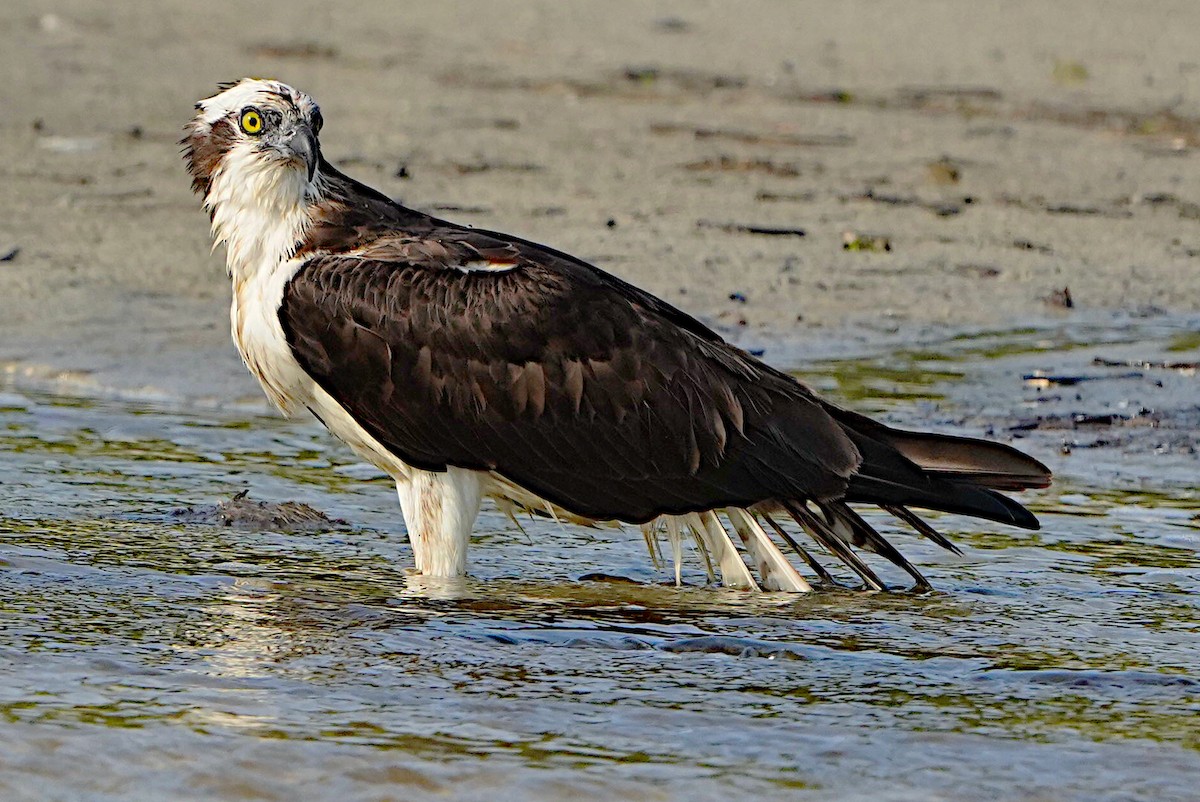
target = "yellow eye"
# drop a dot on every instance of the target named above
(252, 122)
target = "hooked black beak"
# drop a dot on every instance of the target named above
(303, 145)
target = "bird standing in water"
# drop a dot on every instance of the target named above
(470, 364)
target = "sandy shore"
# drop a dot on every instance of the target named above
(1000, 151)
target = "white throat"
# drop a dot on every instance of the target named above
(260, 211)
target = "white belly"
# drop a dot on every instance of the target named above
(260, 340)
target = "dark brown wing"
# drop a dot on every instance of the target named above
(563, 379)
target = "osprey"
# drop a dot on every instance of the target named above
(470, 364)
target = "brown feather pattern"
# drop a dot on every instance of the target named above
(203, 151)
(577, 386)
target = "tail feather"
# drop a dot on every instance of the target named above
(829, 540)
(936, 494)
(865, 536)
(913, 520)
(939, 472)
(811, 561)
(898, 470)
(966, 460)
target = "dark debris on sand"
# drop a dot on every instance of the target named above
(1134, 404)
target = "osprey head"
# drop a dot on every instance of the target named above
(263, 128)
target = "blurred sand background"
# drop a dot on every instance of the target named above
(1001, 150)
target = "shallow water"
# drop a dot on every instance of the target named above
(146, 656)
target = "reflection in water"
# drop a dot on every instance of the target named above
(148, 656)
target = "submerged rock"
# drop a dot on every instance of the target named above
(243, 512)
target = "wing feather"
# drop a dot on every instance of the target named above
(460, 347)
(557, 376)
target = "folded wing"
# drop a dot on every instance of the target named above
(460, 348)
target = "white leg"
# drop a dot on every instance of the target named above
(776, 572)
(734, 573)
(439, 513)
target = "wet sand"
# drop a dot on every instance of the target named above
(1000, 152)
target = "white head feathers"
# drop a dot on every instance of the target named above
(253, 154)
